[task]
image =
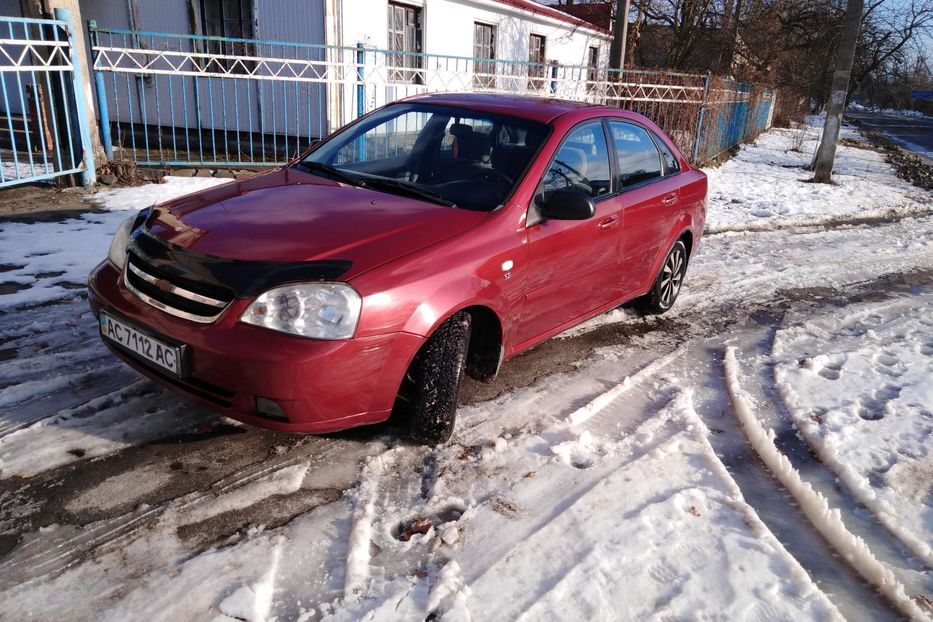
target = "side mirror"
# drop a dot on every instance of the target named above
(567, 205)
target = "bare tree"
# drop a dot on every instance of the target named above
(688, 21)
(845, 55)
(731, 14)
(889, 32)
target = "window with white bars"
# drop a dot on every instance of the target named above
(404, 58)
(484, 54)
(537, 54)
(231, 19)
(592, 73)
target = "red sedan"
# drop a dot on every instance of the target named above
(436, 236)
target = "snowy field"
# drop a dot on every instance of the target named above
(762, 452)
(762, 188)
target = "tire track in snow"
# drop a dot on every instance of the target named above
(44, 554)
(658, 429)
(601, 401)
(760, 383)
(100, 385)
(854, 482)
(855, 598)
(564, 566)
(59, 365)
(810, 224)
(360, 538)
(682, 405)
(827, 520)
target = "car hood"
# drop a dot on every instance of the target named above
(289, 215)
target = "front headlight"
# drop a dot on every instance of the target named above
(121, 239)
(315, 310)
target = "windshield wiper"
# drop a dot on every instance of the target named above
(409, 189)
(331, 171)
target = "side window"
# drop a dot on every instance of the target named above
(671, 165)
(581, 163)
(638, 156)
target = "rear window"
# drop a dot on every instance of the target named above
(638, 157)
(671, 165)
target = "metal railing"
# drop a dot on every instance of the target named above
(174, 99)
(43, 128)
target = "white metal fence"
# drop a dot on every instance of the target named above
(172, 99)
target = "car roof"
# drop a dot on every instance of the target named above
(541, 109)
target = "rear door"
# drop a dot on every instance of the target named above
(573, 264)
(649, 201)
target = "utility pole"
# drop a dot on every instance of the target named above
(845, 55)
(619, 33)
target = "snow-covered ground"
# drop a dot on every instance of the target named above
(623, 487)
(903, 112)
(766, 186)
(50, 257)
(860, 387)
(612, 518)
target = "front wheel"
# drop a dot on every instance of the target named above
(431, 387)
(667, 285)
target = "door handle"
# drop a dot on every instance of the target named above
(670, 199)
(609, 223)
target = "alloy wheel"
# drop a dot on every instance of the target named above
(672, 275)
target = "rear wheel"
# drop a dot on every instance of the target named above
(667, 285)
(429, 392)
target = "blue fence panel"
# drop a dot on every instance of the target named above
(732, 114)
(40, 127)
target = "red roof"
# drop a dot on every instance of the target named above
(540, 9)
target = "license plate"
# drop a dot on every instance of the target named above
(163, 355)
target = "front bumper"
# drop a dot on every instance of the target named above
(321, 386)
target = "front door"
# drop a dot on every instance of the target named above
(573, 264)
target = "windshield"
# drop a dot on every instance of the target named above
(444, 154)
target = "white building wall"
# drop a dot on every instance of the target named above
(447, 29)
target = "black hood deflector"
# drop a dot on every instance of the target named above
(242, 279)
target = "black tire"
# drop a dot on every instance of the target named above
(429, 392)
(667, 284)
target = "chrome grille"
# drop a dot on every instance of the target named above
(165, 294)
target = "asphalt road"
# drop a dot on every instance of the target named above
(914, 134)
